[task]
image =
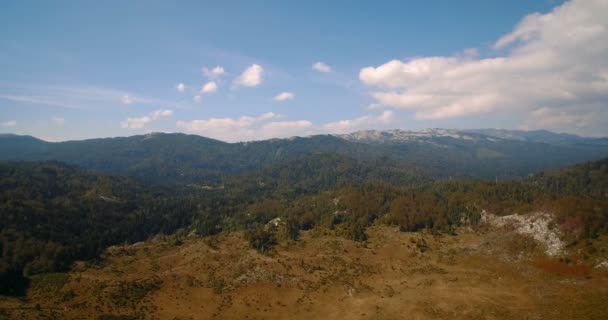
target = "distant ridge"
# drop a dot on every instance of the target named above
(430, 153)
(388, 135)
(398, 135)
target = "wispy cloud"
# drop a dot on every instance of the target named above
(126, 99)
(46, 101)
(10, 123)
(80, 97)
(321, 67)
(141, 122)
(60, 121)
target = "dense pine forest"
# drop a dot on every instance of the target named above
(53, 214)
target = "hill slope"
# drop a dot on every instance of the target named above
(184, 158)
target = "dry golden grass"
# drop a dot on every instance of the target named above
(469, 276)
(563, 269)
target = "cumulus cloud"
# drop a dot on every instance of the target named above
(362, 123)
(321, 67)
(209, 87)
(247, 128)
(229, 129)
(135, 123)
(139, 123)
(181, 87)
(161, 113)
(269, 125)
(197, 99)
(551, 67)
(279, 129)
(284, 96)
(251, 77)
(10, 123)
(58, 120)
(214, 72)
(554, 118)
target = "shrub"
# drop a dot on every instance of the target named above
(207, 224)
(307, 220)
(356, 231)
(422, 245)
(290, 231)
(261, 239)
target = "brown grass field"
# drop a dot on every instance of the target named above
(473, 275)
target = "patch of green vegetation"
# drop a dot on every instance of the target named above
(261, 239)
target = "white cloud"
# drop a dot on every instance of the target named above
(591, 123)
(362, 123)
(269, 125)
(213, 73)
(321, 67)
(282, 129)
(10, 123)
(209, 87)
(554, 62)
(139, 123)
(251, 77)
(58, 120)
(126, 99)
(245, 128)
(135, 123)
(197, 99)
(228, 129)
(284, 96)
(181, 87)
(161, 113)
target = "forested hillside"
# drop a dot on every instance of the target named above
(181, 158)
(52, 214)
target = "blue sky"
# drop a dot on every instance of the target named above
(83, 69)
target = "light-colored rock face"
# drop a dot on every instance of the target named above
(536, 225)
(374, 136)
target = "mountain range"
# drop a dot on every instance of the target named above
(431, 153)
